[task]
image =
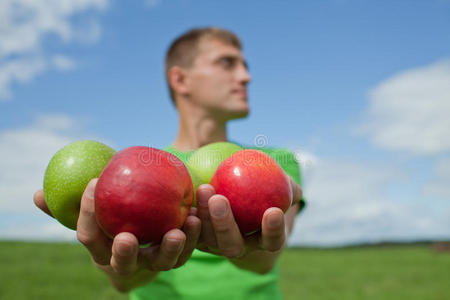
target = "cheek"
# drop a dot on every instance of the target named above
(211, 85)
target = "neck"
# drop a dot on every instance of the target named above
(197, 128)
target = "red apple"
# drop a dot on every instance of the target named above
(144, 191)
(252, 181)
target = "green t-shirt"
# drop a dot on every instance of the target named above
(212, 277)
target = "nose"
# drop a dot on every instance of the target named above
(243, 74)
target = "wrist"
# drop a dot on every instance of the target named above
(124, 283)
(259, 261)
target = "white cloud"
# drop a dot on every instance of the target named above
(353, 202)
(409, 111)
(440, 186)
(25, 24)
(63, 63)
(24, 155)
(305, 159)
(349, 202)
(19, 70)
(33, 227)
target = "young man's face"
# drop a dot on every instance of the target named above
(218, 80)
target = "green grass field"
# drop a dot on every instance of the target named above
(64, 271)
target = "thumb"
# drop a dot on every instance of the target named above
(39, 201)
(297, 193)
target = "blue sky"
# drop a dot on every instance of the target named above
(358, 89)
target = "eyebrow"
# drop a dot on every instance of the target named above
(234, 57)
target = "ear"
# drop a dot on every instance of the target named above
(178, 80)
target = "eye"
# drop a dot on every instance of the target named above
(227, 62)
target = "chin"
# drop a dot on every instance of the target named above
(240, 114)
(231, 111)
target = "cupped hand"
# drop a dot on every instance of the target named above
(127, 264)
(221, 235)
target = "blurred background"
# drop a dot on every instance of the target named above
(359, 90)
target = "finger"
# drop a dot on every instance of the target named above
(229, 238)
(88, 231)
(207, 235)
(39, 201)
(297, 193)
(289, 217)
(192, 228)
(169, 251)
(273, 234)
(192, 211)
(124, 253)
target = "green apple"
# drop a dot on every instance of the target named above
(196, 182)
(67, 175)
(206, 159)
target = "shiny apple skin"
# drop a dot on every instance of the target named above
(144, 191)
(252, 181)
(67, 175)
(205, 160)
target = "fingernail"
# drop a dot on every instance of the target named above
(90, 193)
(219, 208)
(274, 221)
(90, 190)
(174, 245)
(202, 201)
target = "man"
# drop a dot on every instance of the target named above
(207, 77)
